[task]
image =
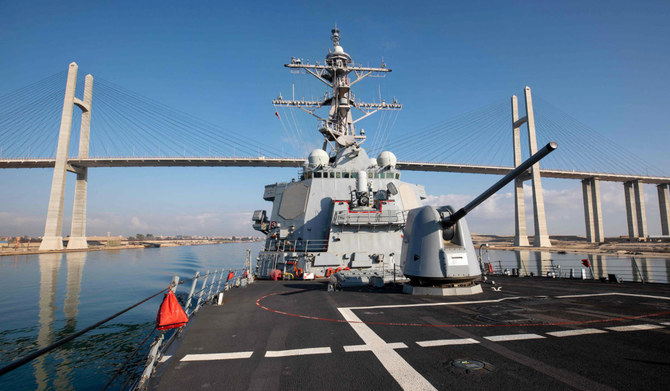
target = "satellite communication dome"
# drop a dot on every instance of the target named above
(318, 157)
(385, 159)
(338, 49)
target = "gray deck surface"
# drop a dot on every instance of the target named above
(606, 359)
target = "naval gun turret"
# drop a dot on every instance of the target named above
(437, 250)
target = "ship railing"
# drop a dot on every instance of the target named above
(207, 288)
(605, 267)
(300, 245)
(383, 217)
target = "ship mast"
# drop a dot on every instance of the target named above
(338, 128)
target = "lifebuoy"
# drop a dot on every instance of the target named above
(339, 269)
(490, 268)
(329, 272)
(298, 273)
(347, 268)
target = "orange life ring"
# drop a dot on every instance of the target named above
(329, 272)
(298, 273)
(339, 269)
(490, 268)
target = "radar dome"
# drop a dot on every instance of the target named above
(338, 49)
(318, 157)
(386, 159)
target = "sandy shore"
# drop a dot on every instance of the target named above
(34, 248)
(573, 244)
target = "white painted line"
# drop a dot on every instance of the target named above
(407, 377)
(635, 327)
(513, 337)
(614, 294)
(297, 352)
(572, 333)
(216, 356)
(164, 359)
(444, 342)
(366, 348)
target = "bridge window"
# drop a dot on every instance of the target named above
(370, 175)
(337, 175)
(317, 175)
(345, 175)
(354, 175)
(376, 175)
(332, 175)
(397, 175)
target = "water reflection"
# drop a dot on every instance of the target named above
(49, 265)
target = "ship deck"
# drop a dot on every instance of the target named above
(535, 333)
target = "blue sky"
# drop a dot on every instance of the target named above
(605, 63)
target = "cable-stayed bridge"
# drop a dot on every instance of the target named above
(129, 130)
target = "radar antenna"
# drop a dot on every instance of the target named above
(339, 126)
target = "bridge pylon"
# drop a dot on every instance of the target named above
(53, 239)
(541, 237)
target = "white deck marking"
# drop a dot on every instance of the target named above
(216, 356)
(297, 352)
(635, 327)
(164, 359)
(407, 377)
(445, 342)
(366, 348)
(512, 337)
(572, 333)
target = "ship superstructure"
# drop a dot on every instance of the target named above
(345, 210)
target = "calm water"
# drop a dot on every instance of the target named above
(47, 297)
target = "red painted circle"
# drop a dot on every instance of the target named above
(258, 303)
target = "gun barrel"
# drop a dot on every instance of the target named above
(500, 184)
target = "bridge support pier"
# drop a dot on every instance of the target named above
(635, 214)
(53, 239)
(664, 207)
(78, 232)
(541, 237)
(592, 210)
(520, 233)
(53, 230)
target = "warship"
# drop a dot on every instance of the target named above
(406, 304)
(346, 210)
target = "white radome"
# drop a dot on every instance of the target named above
(386, 159)
(318, 157)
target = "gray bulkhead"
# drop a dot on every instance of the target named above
(317, 223)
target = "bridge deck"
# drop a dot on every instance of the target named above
(295, 162)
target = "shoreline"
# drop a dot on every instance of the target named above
(576, 244)
(33, 248)
(568, 244)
